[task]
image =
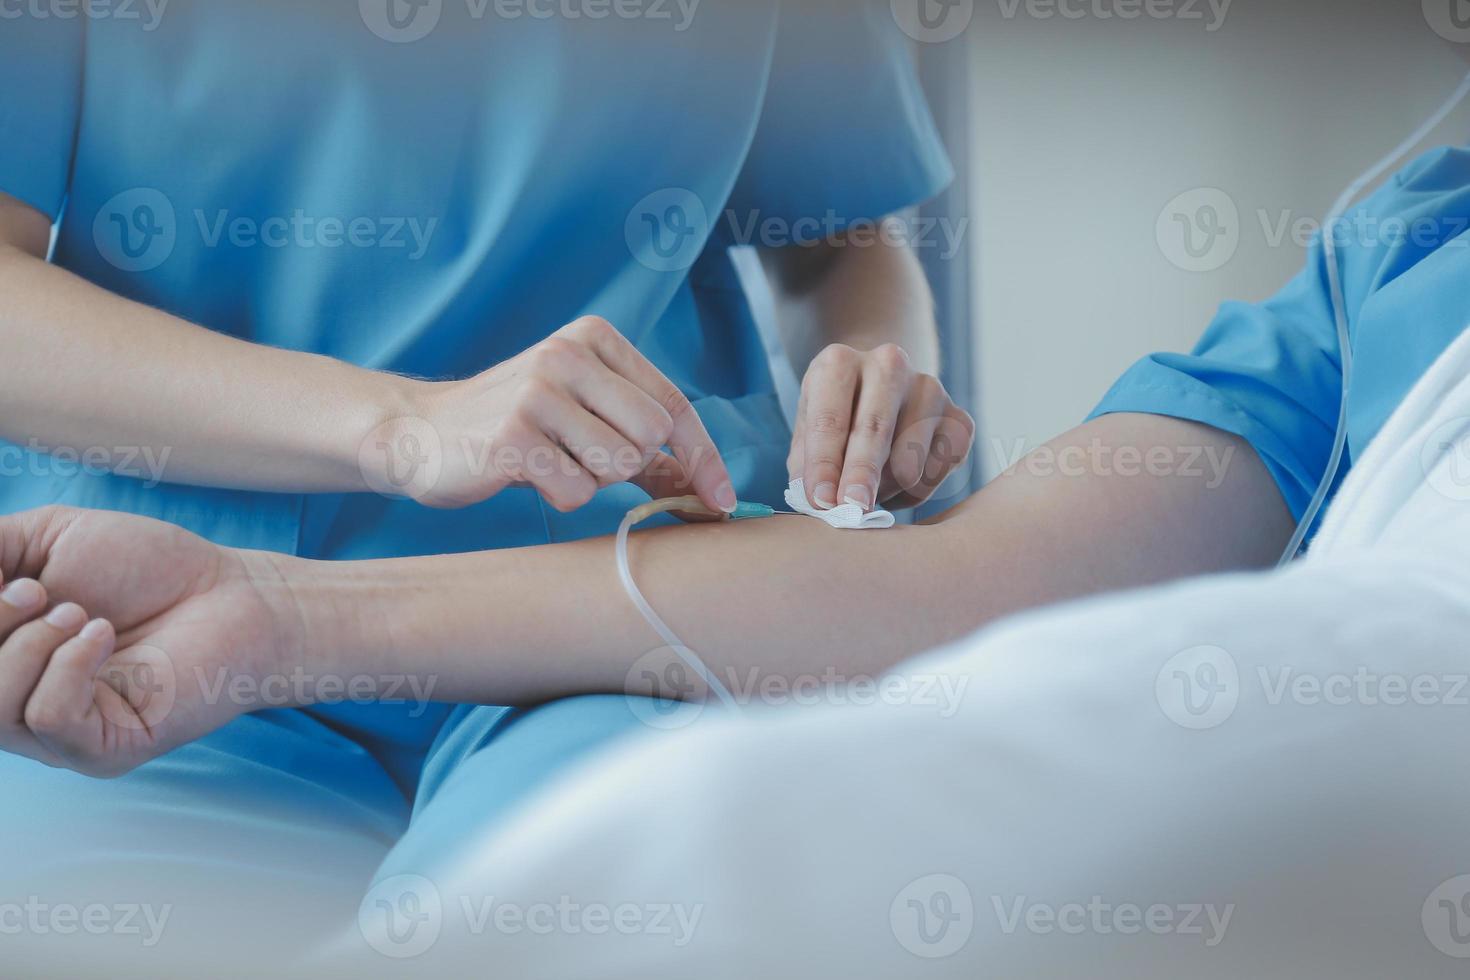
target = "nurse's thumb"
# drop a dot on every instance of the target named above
(665, 477)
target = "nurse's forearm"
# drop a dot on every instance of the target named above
(865, 289)
(789, 597)
(128, 388)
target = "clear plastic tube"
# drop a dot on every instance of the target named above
(1339, 305)
(635, 517)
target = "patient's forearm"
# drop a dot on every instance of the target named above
(789, 596)
(786, 595)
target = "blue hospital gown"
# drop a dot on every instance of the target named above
(1271, 373)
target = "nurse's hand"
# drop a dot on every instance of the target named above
(122, 638)
(581, 410)
(870, 428)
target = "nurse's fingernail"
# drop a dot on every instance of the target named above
(24, 593)
(96, 629)
(725, 497)
(858, 494)
(67, 616)
(825, 495)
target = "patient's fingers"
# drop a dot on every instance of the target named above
(26, 539)
(24, 656)
(62, 712)
(20, 601)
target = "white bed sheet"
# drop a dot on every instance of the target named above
(1247, 776)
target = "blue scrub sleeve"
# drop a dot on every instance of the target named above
(845, 135)
(40, 96)
(1271, 373)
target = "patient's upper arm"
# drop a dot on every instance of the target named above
(1122, 501)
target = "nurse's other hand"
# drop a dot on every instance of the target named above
(581, 410)
(870, 428)
(122, 638)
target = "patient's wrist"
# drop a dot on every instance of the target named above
(330, 626)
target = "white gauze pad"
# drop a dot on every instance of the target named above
(849, 517)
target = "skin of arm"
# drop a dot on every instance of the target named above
(109, 378)
(790, 597)
(862, 295)
(130, 372)
(153, 637)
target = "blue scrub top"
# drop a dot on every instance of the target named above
(433, 188)
(1271, 373)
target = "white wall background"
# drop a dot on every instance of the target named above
(1086, 129)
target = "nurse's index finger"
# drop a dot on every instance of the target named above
(885, 382)
(829, 390)
(690, 441)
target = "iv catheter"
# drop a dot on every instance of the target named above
(743, 511)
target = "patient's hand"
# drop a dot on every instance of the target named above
(176, 617)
